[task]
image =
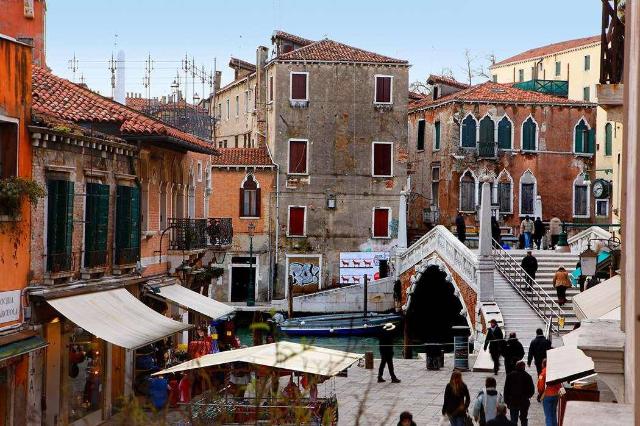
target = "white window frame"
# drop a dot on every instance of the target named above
(579, 181)
(537, 142)
(304, 227)
(373, 158)
(506, 173)
(477, 131)
(602, 200)
(306, 167)
(535, 193)
(291, 86)
(375, 89)
(475, 191)
(255, 179)
(373, 222)
(573, 139)
(199, 169)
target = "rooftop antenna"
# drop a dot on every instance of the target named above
(112, 67)
(73, 66)
(82, 80)
(146, 80)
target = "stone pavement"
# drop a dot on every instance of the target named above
(421, 393)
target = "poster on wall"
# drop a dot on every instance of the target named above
(354, 265)
(9, 306)
(303, 273)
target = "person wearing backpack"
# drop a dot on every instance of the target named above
(486, 403)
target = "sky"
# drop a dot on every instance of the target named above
(431, 35)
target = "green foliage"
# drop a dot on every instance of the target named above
(13, 190)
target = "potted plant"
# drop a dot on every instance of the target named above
(13, 190)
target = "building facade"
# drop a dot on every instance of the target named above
(25, 20)
(534, 148)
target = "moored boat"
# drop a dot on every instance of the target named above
(351, 324)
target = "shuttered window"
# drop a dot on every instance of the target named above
(529, 134)
(504, 197)
(296, 226)
(382, 159)
(298, 157)
(467, 193)
(584, 138)
(270, 89)
(527, 198)
(299, 86)
(504, 133)
(608, 139)
(96, 220)
(127, 225)
(487, 128)
(383, 89)
(59, 224)
(436, 135)
(8, 149)
(581, 202)
(587, 62)
(558, 68)
(420, 143)
(381, 223)
(435, 185)
(468, 132)
(250, 198)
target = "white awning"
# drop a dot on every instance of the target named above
(192, 300)
(568, 363)
(599, 301)
(282, 355)
(117, 317)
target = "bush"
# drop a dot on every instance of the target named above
(13, 190)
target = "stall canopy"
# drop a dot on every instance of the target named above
(568, 363)
(192, 300)
(20, 343)
(282, 355)
(117, 317)
(602, 300)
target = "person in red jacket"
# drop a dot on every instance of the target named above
(549, 396)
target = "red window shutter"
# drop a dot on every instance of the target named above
(383, 89)
(381, 223)
(297, 157)
(382, 159)
(298, 86)
(296, 221)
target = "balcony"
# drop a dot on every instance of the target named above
(488, 150)
(550, 87)
(198, 234)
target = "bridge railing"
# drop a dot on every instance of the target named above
(537, 297)
(580, 241)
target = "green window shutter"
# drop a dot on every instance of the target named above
(134, 232)
(468, 132)
(487, 128)
(591, 141)
(127, 224)
(437, 135)
(59, 225)
(52, 221)
(504, 134)
(96, 223)
(577, 145)
(608, 139)
(90, 222)
(529, 135)
(582, 139)
(122, 220)
(68, 242)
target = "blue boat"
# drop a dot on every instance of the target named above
(352, 324)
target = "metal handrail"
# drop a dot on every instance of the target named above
(532, 292)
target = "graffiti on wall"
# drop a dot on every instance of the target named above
(304, 274)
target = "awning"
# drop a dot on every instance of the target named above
(192, 300)
(282, 355)
(568, 363)
(598, 301)
(21, 347)
(117, 317)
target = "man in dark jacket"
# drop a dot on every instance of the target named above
(495, 342)
(538, 350)
(513, 352)
(530, 266)
(461, 227)
(518, 390)
(501, 417)
(538, 232)
(386, 352)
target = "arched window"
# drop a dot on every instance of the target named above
(608, 139)
(250, 198)
(505, 192)
(504, 133)
(487, 137)
(529, 134)
(528, 192)
(581, 197)
(584, 138)
(467, 192)
(468, 132)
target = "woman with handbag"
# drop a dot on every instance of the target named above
(456, 401)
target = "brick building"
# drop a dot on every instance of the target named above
(533, 147)
(25, 20)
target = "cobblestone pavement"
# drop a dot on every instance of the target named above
(421, 393)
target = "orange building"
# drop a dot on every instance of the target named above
(25, 20)
(19, 344)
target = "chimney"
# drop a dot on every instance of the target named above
(262, 54)
(217, 80)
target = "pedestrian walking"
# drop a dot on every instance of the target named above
(385, 340)
(456, 400)
(548, 394)
(518, 390)
(555, 228)
(513, 352)
(486, 403)
(526, 229)
(530, 265)
(461, 227)
(495, 232)
(561, 282)
(538, 232)
(501, 417)
(581, 278)
(495, 341)
(406, 419)
(538, 350)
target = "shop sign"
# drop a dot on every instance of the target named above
(355, 265)
(9, 306)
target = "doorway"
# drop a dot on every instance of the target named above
(239, 281)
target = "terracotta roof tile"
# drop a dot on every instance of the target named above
(549, 49)
(60, 98)
(491, 92)
(441, 79)
(291, 37)
(243, 157)
(332, 51)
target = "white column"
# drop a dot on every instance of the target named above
(485, 260)
(402, 217)
(538, 207)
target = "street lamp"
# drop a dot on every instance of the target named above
(251, 297)
(588, 261)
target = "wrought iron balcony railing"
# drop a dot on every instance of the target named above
(59, 262)
(95, 258)
(195, 234)
(550, 87)
(487, 150)
(220, 231)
